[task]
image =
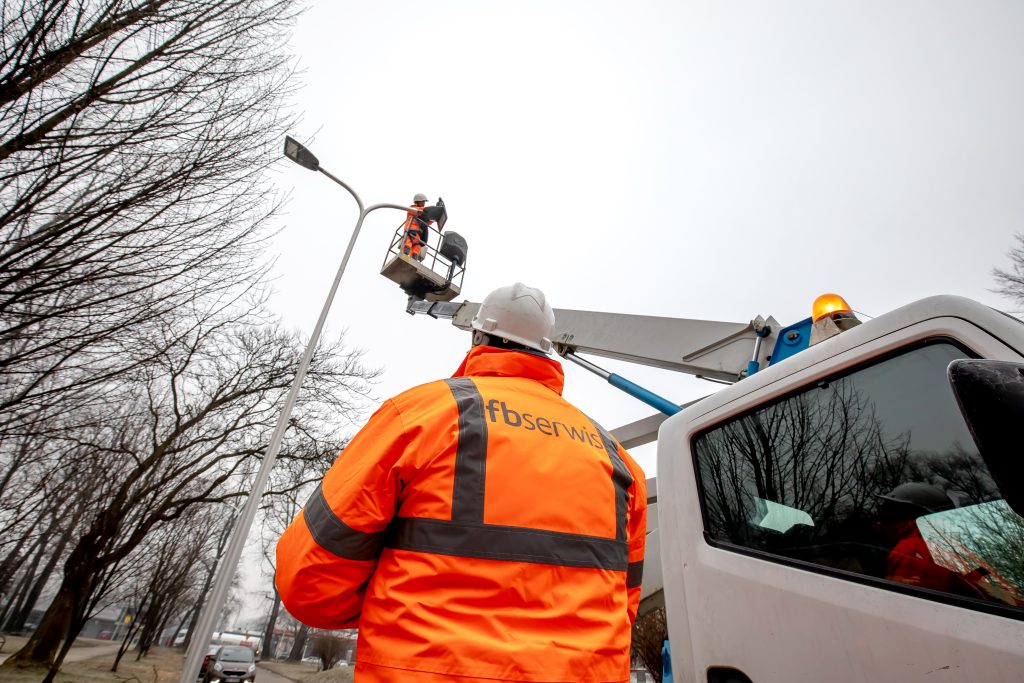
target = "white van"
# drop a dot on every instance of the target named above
(831, 518)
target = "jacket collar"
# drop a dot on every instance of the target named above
(487, 361)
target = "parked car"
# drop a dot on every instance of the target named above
(211, 652)
(232, 664)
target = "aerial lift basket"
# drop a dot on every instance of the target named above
(438, 277)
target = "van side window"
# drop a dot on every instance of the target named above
(872, 472)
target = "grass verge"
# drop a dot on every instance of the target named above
(296, 671)
(15, 643)
(161, 665)
(343, 675)
(305, 672)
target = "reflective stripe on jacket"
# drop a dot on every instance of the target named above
(479, 526)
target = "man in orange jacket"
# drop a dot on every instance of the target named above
(416, 228)
(480, 527)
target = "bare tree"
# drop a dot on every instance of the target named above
(174, 557)
(1010, 282)
(189, 426)
(267, 649)
(133, 139)
(139, 602)
(133, 209)
(218, 542)
(649, 634)
(331, 648)
(48, 497)
(299, 644)
(139, 375)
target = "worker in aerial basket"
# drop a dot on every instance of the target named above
(478, 528)
(417, 228)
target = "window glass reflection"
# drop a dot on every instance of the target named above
(874, 472)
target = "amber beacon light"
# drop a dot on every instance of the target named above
(830, 315)
(827, 305)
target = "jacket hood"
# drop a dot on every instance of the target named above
(487, 361)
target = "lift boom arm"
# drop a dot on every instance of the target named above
(713, 350)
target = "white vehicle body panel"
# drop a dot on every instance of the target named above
(776, 622)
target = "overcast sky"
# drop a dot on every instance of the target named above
(713, 160)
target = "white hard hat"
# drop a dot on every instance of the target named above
(419, 197)
(519, 314)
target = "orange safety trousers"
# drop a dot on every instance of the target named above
(479, 527)
(413, 236)
(412, 245)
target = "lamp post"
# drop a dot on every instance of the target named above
(294, 151)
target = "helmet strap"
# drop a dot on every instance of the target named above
(481, 338)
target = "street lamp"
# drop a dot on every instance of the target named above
(296, 152)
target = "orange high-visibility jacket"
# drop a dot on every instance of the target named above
(479, 527)
(416, 228)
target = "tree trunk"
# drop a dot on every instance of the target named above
(164, 620)
(18, 619)
(42, 646)
(78, 619)
(152, 618)
(61, 624)
(268, 635)
(64, 614)
(18, 595)
(299, 645)
(126, 643)
(8, 568)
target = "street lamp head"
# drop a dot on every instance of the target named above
(437, 213)
(294, 150)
